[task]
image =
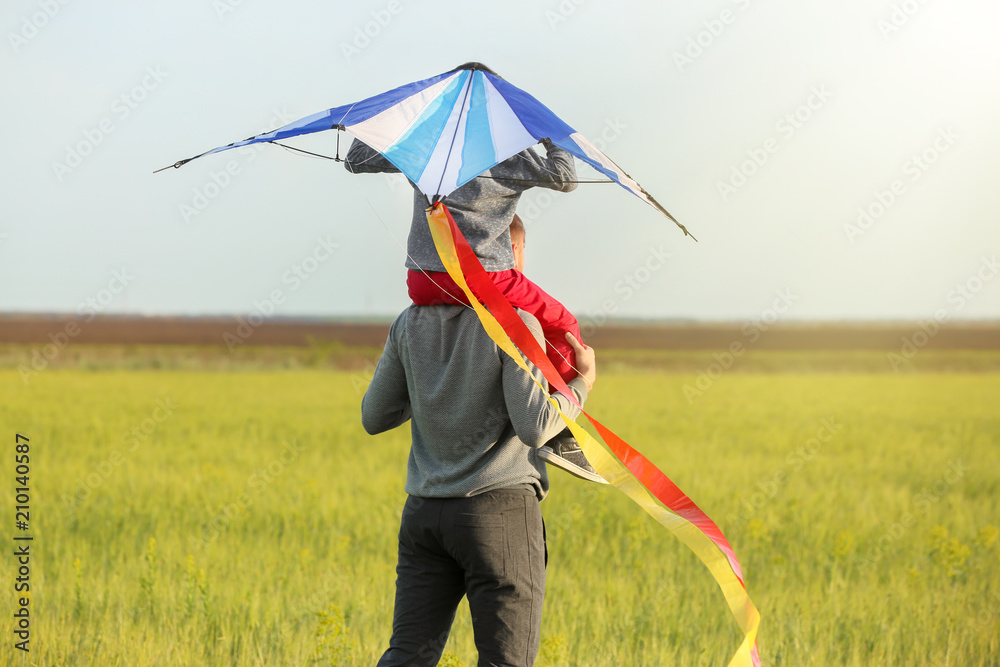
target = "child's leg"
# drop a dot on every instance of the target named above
(436, 288)
(552, 315)
(433, 288)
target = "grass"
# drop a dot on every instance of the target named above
(335, 355)
(188, 517)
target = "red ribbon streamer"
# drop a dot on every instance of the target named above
(642, 468)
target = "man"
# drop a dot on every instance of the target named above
(471, 524)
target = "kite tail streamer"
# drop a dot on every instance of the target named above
(620, 464)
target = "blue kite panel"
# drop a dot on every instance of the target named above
(361, 111)
(414, 150)
(348, 114)
(478, 151)
(537, 119)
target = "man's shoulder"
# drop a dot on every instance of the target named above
(423, 316)
(420, 318)
(534, 326)
(529, 320)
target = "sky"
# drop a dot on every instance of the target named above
(834, 160)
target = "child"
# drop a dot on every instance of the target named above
(484, 210)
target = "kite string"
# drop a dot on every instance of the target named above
(493, 178)
(533, 180)
(305, 152)
(325, 157)
(555, 349)
(540, 164)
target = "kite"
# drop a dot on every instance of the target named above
(441, 133)
(444, 131)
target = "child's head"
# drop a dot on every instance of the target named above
(517, 242)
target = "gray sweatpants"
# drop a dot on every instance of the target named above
(490, 547)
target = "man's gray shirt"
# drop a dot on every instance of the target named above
(483, 208)
(477, 417)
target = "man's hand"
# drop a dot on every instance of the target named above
(586, 360)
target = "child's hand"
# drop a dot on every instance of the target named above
(586, 360)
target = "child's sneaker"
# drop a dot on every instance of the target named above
(563, 451)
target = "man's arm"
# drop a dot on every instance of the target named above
(528, 169)
(563, 168)
(533, 416)
(363, 159)
(386, 404)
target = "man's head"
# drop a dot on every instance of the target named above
(517, 242)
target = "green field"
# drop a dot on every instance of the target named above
(191, 517)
